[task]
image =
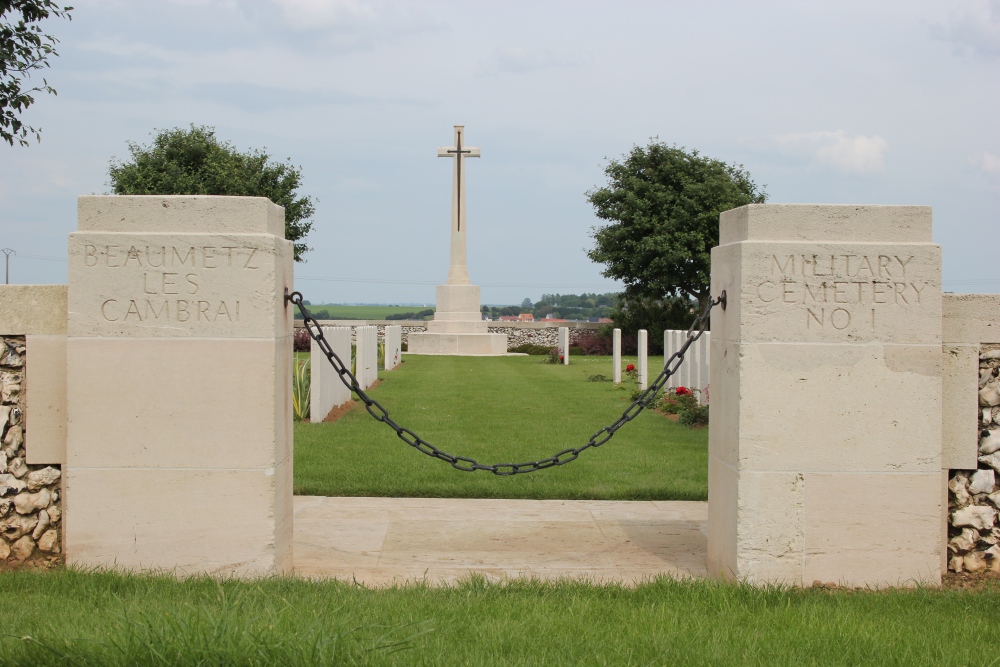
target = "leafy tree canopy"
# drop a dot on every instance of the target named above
(23, 49)
(663, 203)
(194, 162)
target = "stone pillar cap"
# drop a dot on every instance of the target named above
(209, 214)
(826, 222)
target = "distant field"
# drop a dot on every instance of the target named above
(340, 312)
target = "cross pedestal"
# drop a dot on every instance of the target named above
(458, 327)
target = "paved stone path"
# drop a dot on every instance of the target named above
(383, 540)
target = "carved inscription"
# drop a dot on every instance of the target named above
(170, 281)
(838, 291)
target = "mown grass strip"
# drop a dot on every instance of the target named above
(502, 409)
(74, 618)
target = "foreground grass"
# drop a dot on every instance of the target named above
(72, 618)
(501, 409)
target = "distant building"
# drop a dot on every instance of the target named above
(509, 318)
(526, 317)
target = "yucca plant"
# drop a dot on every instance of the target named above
(300, 390)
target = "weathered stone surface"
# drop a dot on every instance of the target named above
(992, 354)
(965, 541)
(10, 386)
(17, 525)
(22, 549)
(979, 517)
(54, 513)
(43, 525)
(995, 498)
(10, 484)
(955, 564)
(974, 562)
(18, 468)
(3, 462)
(49, 541)
(27, 503)
(989, 395)
(959, 487)
(14, 437)
(982, 481)
(5, 506)
(990, 442)
(992, 556)
(36, 479)
(992, 460)
(4, 416)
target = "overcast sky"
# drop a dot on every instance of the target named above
(824, 102)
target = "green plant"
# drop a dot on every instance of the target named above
(694, 416)
(598, 377)
(553, 356)
(24, 48)
(194, 162)
(380, 361)
(300, 389)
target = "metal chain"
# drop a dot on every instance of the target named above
(464, 464)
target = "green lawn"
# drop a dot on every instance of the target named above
(502, 409)
(340, 312)
(102, 619)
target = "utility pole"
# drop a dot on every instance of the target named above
(8, 252)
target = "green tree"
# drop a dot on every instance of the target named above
(526, 304)
(24, 48)
(194, 162)
(663, 203)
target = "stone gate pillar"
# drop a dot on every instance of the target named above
(179, 437)
(825, 436)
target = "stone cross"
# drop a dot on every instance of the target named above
(458, 272)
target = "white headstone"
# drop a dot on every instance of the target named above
(327, 391)
(564, 344)
(643, 359)
(616, 355)
(393, 346)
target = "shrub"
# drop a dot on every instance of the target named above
(595, 343)
(598, 377)
(553, 356)
(695, 416)
(301, 340)
(575, 350)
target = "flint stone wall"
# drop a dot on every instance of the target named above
(518, 333)
(974, 495)
(30, 502)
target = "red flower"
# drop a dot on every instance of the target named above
(630, 367)
(682, 391)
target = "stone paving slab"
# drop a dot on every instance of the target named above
(378, 541)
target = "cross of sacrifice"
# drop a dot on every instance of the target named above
(458, 188)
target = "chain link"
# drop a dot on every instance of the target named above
(464, 464)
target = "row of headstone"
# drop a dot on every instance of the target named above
(366, 355)
(693, 372)
(393, 346)
(326, 391)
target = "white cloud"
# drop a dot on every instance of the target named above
(988, 163)
(975, 27)
(854, 153)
